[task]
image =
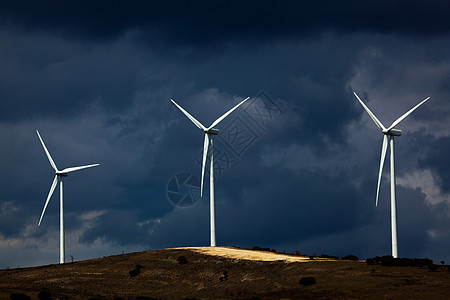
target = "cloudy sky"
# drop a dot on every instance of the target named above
(296, 166)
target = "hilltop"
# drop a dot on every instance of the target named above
(223, 272)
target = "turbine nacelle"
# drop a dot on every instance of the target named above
(62, 174)
(212, 131)
(393, 132)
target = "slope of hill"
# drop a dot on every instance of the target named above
(222, 272)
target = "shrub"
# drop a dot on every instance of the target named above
(224, 276)
(263, 249)
(44, 294)
(328, 256)
(433, 267)
(388, 260)
(372, 261)
(19, 296)
(307, 281)
(135, 272)
(422, 262)
(182, 260)
(350, 257)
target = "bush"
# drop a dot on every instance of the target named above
(422, 262)
(350, 257)
(19, 296)
(307, 281)
(328, 256)
(182, 260)
(224, 276)
(433, 267)
(135, 272)
(373, 261)
(256, 248)
(44, 294)
(388, 260)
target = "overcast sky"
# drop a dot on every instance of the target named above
(296, 166)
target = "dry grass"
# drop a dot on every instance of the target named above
(243, 254)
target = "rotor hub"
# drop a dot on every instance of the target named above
(213, 131)
(394, 132)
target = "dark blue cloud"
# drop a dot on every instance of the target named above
(203, 22)
(438, 161)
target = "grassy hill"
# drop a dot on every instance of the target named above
(222, 272)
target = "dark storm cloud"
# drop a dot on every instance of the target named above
(200, 22)
(438, 160)
(42, 71)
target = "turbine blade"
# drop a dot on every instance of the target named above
(383, 156)
(226, 114)
(194, 120)
(374, 118)
(52, 189)
(68, 170)
(396, 122)
(205, 153)
(48, 153)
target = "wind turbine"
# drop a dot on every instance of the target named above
(59, 177)
(209, 132)
(391, 132)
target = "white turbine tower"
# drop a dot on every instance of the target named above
(391, 132)
(209, 132)
(59, 176)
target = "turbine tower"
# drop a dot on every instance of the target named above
(209, 132)
(391, 132)
(58, 177)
